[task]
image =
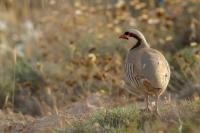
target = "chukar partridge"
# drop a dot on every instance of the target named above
(146, 69)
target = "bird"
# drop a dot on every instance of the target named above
(146, 69)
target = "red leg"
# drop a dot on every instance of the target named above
(147, 103)
(156, 103)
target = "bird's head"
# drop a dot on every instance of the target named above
(133, 34)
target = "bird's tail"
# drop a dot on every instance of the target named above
(150, 88)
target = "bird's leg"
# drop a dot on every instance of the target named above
(147, 103)
(156, 104)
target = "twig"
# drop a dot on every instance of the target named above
(14, 76)
(180, 129)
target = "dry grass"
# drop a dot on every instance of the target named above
(174, 117)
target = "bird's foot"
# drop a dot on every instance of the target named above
(148, 109)
(156, 112)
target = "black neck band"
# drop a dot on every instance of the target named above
(137, 44)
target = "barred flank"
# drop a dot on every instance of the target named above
(129, 69)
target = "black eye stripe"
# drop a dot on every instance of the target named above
(126, 33)
(131, 34)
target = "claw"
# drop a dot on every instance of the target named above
(148, 109)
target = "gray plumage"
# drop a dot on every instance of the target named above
(146, 69)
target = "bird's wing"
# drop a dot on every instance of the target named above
(155, 68)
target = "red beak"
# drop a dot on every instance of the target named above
(123, 37)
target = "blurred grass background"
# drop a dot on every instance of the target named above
(53, 53)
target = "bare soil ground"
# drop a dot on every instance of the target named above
(16, 123)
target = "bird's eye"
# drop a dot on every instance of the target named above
(126, 33)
